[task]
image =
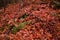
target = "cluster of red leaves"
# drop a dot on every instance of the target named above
(45, 23)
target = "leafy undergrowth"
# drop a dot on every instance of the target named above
(30, 20)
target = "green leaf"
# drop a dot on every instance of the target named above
(14, 30)
(21, 26)
(1, 29)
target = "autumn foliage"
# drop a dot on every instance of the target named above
(30, 20)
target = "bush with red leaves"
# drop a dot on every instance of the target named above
(44, 25)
